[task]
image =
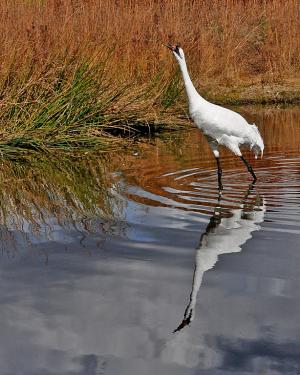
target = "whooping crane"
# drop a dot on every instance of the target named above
(221, 126)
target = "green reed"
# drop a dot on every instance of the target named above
(81, 109)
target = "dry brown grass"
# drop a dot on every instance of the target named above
(224, 40)
(228, 43)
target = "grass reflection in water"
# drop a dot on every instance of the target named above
(40, 196)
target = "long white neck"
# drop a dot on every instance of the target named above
(193, 96)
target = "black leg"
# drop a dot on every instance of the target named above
(249, 168)
(219, 174)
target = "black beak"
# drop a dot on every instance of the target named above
(173, 49)
(169, 46)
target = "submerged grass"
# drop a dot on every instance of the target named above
(75, 75)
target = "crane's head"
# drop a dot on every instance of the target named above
(177, 51)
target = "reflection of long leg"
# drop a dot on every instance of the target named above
(249, 167)
(250, 188)
(251, 206)
(219, 173)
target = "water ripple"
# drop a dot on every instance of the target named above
(195, 189)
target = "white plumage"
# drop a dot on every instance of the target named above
(221, 126)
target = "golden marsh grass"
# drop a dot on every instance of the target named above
(73, 72)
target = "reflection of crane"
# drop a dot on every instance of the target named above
(221, 126)
(226, 232)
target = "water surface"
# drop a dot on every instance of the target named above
(104, 258)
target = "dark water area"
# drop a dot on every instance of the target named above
(134, 264)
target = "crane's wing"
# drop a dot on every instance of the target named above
(228, 128)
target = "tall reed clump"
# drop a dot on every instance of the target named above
(73, 70)
(82, 111)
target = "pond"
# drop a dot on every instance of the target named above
(134, 264)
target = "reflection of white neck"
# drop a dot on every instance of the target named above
(193, 95)
(226, 237)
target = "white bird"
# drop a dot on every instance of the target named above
(221, 126)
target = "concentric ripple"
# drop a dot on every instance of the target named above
(195, 189)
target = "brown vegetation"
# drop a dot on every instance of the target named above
(224, 40)
(102, 62)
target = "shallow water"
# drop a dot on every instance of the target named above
(102, 260)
